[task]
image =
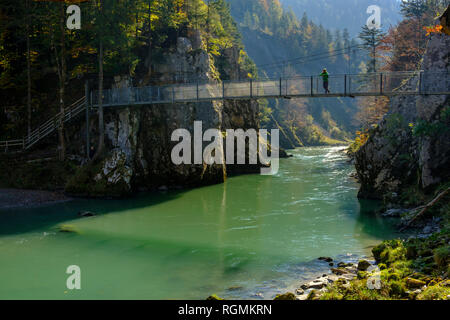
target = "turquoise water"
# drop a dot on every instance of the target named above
(250, 237)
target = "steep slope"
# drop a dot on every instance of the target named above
(335, 14)
(409, 152)
(138, 138)
(282, 45)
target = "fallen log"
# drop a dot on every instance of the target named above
(426, 208)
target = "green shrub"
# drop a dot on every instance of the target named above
(442, 256)
(397, 289)
(436, 292)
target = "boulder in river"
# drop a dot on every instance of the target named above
(318, 283)
(339, 271)
(67, 228)
(85, 214)
(363, 265)
(344, 264)
(326, 259)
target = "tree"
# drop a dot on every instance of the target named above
(371, 110)
(28, 18)
(60, 59)
(197, 14)
(347, 47)
(304, 23)
(413, 8)
(371, 39)
(149, 35)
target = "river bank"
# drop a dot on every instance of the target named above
(23, 198)
(251, 237)
(413, 267)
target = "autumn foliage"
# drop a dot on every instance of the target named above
(433, 29)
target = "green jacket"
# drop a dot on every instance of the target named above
(324, 76)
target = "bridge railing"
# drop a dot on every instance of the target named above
(370, 84)
(9, 145)
(45, 129)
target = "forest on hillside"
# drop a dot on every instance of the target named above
(284, 42)
(44, 65)
(335, 14)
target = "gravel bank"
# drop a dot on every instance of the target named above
(16, 198)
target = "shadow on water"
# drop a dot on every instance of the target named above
(251, 234)
(371, 222)
(23, 220)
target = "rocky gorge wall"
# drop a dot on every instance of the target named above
(138, 138)
(410, 148)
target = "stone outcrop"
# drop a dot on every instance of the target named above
(138, 138)
(410, 148)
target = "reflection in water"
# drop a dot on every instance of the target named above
(249, 237)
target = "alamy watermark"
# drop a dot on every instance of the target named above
(239, 140)
(74, 18)
(74, 280)
(374, 21)
(374, 279)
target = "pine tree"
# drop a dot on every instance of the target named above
(413, 8)
(304, 22)
(371, 39)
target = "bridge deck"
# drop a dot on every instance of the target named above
(373, 84)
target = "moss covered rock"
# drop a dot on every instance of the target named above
(285, 296)
(363, 265)
(442, 256)
(414, 283)
(214, 297)
(389, 252)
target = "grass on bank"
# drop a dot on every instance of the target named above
(43, 175)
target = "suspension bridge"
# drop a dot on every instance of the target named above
(348, 85)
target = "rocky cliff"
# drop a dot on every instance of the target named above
(409, 151)
(138, 139)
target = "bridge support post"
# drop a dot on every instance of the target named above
(345, 85)
(86, 98)
(381, 84)
(420, 81)
(349, 85)
(251, 89)
(312, 86)
(281, 92)
(150, 90)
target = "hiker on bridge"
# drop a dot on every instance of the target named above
(324, 76)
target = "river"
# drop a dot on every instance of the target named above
(251, 237)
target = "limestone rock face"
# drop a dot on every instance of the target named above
(138, 138)
(395, 158)
(115, 172)
(187, 61)
(114, 169)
